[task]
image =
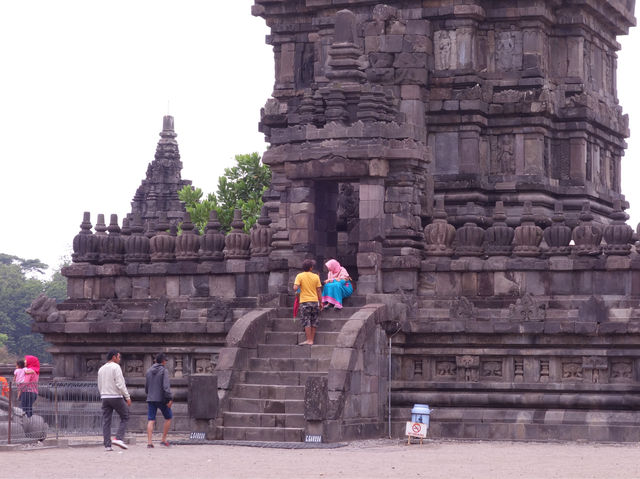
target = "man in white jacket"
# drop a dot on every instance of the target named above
(115, 397)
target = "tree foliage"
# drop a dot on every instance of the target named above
(241, 187)
(17, 290)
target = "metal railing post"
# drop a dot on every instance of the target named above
(10, 413)
(55, 405)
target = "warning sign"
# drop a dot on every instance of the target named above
(416, 429)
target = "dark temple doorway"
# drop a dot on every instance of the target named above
(336, 224)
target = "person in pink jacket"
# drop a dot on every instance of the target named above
(29, 390)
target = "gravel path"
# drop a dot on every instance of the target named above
(363, 459)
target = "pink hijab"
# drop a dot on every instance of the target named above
(335, 270)
(32, 363)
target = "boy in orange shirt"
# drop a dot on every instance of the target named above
(310, 299)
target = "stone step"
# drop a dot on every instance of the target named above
(250, 419)
(327, 324)
(275, 434)
(285, 337)
(353, 301)
(346, 312)
(290, 378)
(266, 406)
(267, 391)
(315, 351)
(284, 364)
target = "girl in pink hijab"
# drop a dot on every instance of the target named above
(337, 286)
(29, 392)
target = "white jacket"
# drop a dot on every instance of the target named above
(111, 381)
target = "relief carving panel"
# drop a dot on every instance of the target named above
(445, 368)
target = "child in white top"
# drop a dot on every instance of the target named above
(19, 375)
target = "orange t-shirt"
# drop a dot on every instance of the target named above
(4, 387)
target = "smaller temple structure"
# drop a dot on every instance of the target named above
(158, 192)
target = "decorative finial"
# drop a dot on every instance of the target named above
(167, 123)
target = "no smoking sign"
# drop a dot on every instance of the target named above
(416, 429)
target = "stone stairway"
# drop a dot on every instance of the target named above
(268, 404)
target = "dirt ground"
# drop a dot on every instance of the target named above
(365, 459)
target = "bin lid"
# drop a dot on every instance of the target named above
(420, 409)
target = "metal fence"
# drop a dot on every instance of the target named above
(61, 410)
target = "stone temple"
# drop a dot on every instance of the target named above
(462, 160)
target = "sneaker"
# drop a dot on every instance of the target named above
(165, 443)
(119, 443)
(107, 449)
(150, 446)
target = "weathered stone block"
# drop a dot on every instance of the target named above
(75, 288)
(107, 288)
(506, 283)
(123, 287)
(203, 396)
(186, 285)
(381, 60)
(383, 43)
(416, 76)
(316, 398)
(173, 286)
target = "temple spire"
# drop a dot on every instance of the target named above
(158, 192)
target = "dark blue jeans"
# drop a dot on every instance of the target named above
(26, 402)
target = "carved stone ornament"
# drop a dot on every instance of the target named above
(439, 234)
(237, 242)
(188, 243)
(499, 236)
(470, 236)
(491, 369)
(621, 371)
(463, 309)
(134, 367)
(544, 371)
(212, 242)
(204, 366)
(618, 234)
(220, 310)
(45, 309)
(85, 244)
(595, 364)
(261, 235)
(528, 235)
(558, 235)
(162, 243)
(467, 367)
(527, 308)
(446, 368)
(518, 370)
(572, 371)
(587, 235)
(112, 245)
(136, 246)
(92, 365)
(111, 311)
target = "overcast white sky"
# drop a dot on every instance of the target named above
(85, 84)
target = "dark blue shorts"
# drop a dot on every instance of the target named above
(153, 407)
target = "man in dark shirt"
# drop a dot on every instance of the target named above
(158, 397)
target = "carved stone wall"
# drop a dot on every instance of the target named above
(506, 112)
(512, 101)
(514, 303)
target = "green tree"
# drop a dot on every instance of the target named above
(197, 207)
(17, 291)
(241, 187)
